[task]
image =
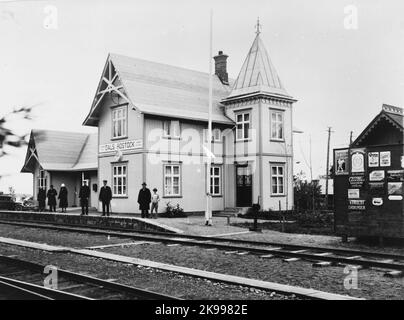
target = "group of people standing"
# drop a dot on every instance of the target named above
(145, 198)
(51, 195)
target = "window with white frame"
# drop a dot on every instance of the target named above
(171, 128)
(172, 180)
(119, 179)
(277, 179)
(243, 126)
(215, 181)
(42, 181)
(119, 122)
(277, 125)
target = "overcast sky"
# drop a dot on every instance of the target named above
(341, 76)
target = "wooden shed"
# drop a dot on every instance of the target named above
(368, 180)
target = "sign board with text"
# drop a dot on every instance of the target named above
(121, 146)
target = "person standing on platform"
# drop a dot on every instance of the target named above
(41, 199)
(105, 197)
(63, 197)
(84, 194)
(52, 193)
(155, 198)
(144, 199)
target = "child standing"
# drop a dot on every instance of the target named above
(155, 198)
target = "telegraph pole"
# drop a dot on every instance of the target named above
(327, 167)
(311, 178)
(208, 211)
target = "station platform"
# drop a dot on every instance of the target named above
(93, 219)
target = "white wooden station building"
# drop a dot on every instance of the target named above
(152, 120)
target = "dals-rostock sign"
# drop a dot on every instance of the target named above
(121, 146)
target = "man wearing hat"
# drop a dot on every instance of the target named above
(84, 194)
(105, 197)
(144, 199)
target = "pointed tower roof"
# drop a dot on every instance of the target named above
(258, 74)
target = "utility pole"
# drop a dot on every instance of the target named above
(208, 212)
(327, 167)
(311, 179)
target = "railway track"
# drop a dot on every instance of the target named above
(24, 280)
(320, 256)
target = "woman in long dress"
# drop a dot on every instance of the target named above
(63, 197)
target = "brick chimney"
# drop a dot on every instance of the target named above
(221, 67)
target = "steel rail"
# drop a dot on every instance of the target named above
(14, 292)
(121, 288)
(42, 291)
(130, 234)
(208, 242)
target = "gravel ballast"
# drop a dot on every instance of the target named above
(170, 283)
(371, 283)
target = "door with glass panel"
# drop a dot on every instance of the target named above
(243, 186)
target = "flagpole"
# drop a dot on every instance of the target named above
(208, 212)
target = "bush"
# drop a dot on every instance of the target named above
(173, 211)
(304, 223)
(315, 219)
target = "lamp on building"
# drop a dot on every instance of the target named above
(118, 155)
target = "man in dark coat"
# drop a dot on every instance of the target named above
(63, 197)
(84, 194)
(105, 197)
(52, 193)
(41, 199)
(144, 199)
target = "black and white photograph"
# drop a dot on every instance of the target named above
(210, 157)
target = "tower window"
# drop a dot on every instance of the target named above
(242, 126)
(277, 125)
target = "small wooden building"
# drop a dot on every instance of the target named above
(56, 157)
(368, 181)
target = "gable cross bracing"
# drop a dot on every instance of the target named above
(109, 83)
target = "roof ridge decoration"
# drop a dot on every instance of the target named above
(258, 75)
(392, 109)
(388, 113)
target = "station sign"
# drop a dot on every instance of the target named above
(121, 146)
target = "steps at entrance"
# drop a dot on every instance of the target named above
(231, 211)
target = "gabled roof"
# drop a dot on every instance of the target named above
(61, 151)
(393, 115)
(258, 74)
(160, 89)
